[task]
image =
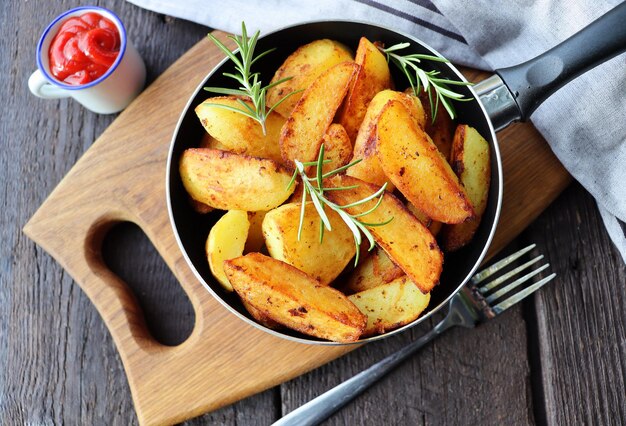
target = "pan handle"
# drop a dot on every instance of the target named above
(532, 82)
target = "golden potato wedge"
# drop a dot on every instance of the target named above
(292, 298)
(226, 240)
(255, 239)
(302, 134)
(407, 242)
(417, 168)
(209, 141)
(260, 316)
(390, 305)
(375, 270)
(373, 76)
(228, 181)
(238, 133)
(369, 168)
(441, 130)
(433, 226)
(471, 162)
(337, 147)
(304, 66)
(322, 261)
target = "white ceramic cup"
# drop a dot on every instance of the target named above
(110, 93)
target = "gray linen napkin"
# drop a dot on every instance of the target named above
(584, 123)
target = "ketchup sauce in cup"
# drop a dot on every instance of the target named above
(85, 54)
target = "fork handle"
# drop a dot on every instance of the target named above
(322, 407)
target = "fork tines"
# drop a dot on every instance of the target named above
(493, 290)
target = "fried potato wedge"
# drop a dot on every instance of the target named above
(417, 168)
(255, 239)
(228, 181)
(292, 298)
(373, 76)
(209, 141)
(375, 270)
(302, 134)
(471, 162)
(337, 147)
(304, 66)
(369, 168)
(260, 316)
(407, 242)
(433, 226)
(239, 133)
(390, 305)
(322, 261)
(226, 240)
(441, 129)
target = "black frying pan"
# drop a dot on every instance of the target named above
(510, 95)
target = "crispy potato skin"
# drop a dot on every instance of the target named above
(373, 76)
(294, 299)
(407, 242)
(376, 269)
(226, 240)
(228, 181)
(302, 134)
(417, 168)
(238, 133)
(260, 316)
(433, 226)
(304, 66)
(472, 163)
(324, 261)
(369, 168)
(390, 305)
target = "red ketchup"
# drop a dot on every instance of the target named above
(84, 49)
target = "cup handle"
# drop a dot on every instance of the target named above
(42, 88)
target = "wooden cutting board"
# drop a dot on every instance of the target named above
(122, 178)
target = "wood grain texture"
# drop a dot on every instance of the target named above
(60, 365)
(581, 321)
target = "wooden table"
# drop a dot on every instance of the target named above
(559, 358)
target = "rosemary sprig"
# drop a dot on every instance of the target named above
(315, 188)
(420, 79)
(250, 83)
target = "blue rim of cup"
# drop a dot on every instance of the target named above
(112, 68)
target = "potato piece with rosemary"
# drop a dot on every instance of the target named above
(238, 133)
(369, 168)
(302, 134)
(373, 77)
(417, 168)
(390, 305)
(228, 181)
(471, 162)
(407, 242)
(294, 299)
(226, 241)
(375, 270)
(303, 66)
(323, 261)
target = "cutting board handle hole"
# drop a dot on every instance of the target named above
(167, 310)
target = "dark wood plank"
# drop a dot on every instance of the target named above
(59, 364)
(581, 321)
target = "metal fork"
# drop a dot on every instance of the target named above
(472, 305)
